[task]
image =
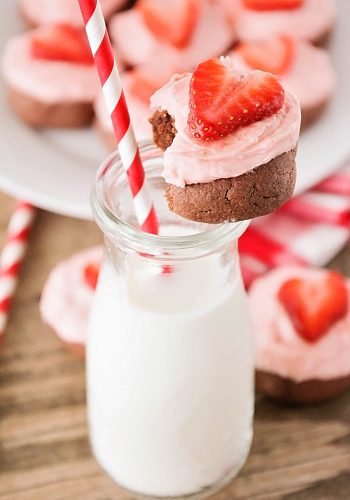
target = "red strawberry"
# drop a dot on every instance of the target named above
(223, 100)
(172, 22)
(91, 272)
(145, 82)
(272, 4)
(274, 56)
(314, 305)
(61, 42)
(142, 86)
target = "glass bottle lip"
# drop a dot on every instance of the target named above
(114, 226)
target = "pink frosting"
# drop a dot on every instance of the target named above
(58, 11)
(136, 44)
(48, 81)
(311, 21)
(188, 161)
(139, 112)
(232, 8)
(310, 78)
(66, 299)
(279, 349)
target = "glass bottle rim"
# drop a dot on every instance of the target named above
(114, 226)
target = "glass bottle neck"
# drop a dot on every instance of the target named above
(112, 207)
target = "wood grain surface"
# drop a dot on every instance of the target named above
(297, 454)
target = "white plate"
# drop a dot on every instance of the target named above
(54, 169)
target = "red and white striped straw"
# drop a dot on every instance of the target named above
(12, 256)
(114, 96)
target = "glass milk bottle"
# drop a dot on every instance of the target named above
(169, 354)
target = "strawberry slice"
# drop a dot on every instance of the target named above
(222, 99)
(173, 22)
(91, 273)
(275, 56)
(314, 305)
(144, 82)
(273, 4)
(61, 42)
(142, 85)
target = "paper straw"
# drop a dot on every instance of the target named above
(12, 256)
(114, 96)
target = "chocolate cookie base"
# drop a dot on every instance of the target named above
(129, 4)
(42, 114)
(323, 41)
(163, 127)
(252, 194)
(300, 393)
(310, 115)
(76, 349)
(27, 20)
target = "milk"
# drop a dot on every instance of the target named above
(170, 375)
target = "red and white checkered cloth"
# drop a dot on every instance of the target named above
(321, 207)
(338, 183)
(309, 230)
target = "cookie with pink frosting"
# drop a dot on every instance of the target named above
(67, 297)
(38, 12)
(292, 59)
(301, 321)
(311, 20)
(50, 76)
(179, 34)
(230, 140)
(138, 84)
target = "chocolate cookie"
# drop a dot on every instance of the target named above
(252, 194)
(40, 114)
(324, 40)
(310, 115)
(163, 126)
(308, 392)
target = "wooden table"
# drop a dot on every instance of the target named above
(299, 454)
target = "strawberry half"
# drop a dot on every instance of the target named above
(144, 82)
(222, 99)
(272, 4)
(91, 273)
(142, 85)
(173, 22)
(275, 56)
(314, 305)
(61, 42)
